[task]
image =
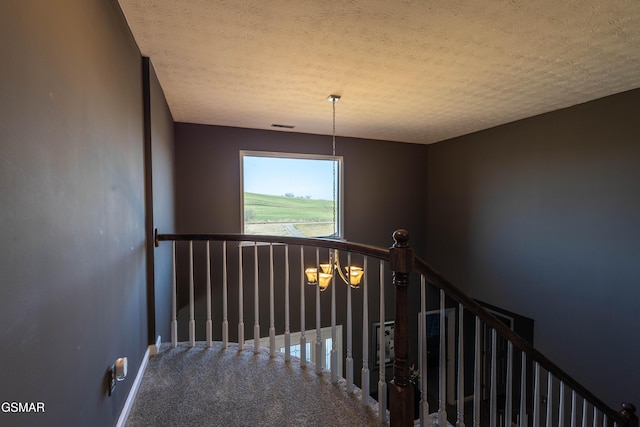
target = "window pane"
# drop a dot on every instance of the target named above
(291, 195)
(327, 356)
(295, 351)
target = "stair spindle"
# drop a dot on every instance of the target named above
(333, 357)
(174, 299)
(272, 322)
(349, 359)
(549, 410)
(240, 301)
(460, 402)
(477, 379)
(303, 339)
(382, 384)
(508, 404)
(561, 408)
(493, 399)
(365, 386)
(442, 362)
(225, 314)
(536, 396)
(287, 309)
(574, 409)
(256, 301)
(192, 320)
(209, 325)
(424, 402)
(319, 355)
(524, 417)
(585, 412)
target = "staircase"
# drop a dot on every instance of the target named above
(450, 360)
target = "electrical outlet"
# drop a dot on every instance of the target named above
(111, 379)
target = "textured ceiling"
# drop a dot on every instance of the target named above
(412, 71)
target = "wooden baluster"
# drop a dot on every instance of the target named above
(424, 402)
(174, 303)
(349, 359)
(536, 395)
(508, 404)
(365, 386)
(442, 364)
(192, 320)
(303, 339)
(382, 384)
(272, 322)
(549, 421)
(477, 377)
(256, 301)
(493, 399)
(401, 393)
(209, 324)
(287, 326)
(524, 417)
(225, 311)
(574, 409)
(584, 412)
(561, 409)
(319, 355)
(333, 356)
(595, 416)
(240, 301)
(460, 403)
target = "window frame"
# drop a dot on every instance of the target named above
(303, 156)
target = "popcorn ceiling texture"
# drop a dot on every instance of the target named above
(411, 71)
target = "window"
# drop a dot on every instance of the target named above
(287, 194)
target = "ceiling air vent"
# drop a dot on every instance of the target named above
(276, 125)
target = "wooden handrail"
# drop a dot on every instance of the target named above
(341, 245)
(519, 343)
(402, 261)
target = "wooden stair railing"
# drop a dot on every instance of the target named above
(568, 403)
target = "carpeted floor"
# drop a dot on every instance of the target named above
(203, 386)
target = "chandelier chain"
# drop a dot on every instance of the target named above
(333, 153)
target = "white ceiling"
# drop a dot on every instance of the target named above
(415, 71)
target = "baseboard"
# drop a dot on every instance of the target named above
(122, 420)
(154, 349)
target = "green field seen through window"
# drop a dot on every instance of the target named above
(288, 215)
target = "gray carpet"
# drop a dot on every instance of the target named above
(203, 386)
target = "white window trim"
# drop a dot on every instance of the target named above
(340, 189)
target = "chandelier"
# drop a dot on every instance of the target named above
(351, 275)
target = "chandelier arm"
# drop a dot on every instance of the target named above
(339, 268)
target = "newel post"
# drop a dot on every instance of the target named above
(400, 392)
(628, 412)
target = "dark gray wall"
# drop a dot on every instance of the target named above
(383, 181)
(73, 215)
(159, 159)
(383, 190)
(542, 217)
